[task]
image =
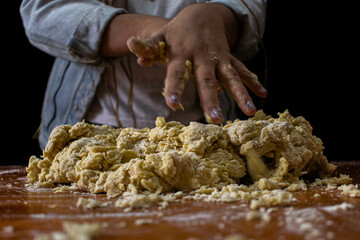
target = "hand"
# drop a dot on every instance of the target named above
(201, 34)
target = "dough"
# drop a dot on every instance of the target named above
(285, 145)
(270, 152)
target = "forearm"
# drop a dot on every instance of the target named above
(124, 26)
(70, 30)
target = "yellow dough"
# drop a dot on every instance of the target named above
(273, 152)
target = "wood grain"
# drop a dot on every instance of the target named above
(26, 213)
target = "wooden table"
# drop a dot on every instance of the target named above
(25, 214)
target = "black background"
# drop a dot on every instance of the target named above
(313, 71)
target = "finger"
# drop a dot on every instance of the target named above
(178, 73)
(152, 48)
(142, 48)
(231, 80)
(249, 79)
(208, 88)
(145, 61)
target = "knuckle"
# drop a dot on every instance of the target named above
(175, 83)
(228, 75)
(176, 75)
(203, 47)
(176, 80)
(249, 76)
(231, 74)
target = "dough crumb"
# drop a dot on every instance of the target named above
(316, 195)
(65, 188)
(272, 198)
(8, 229)
(73, 230)
(221, 226)
(350, 190)
(139, 201)
(145, 221)
(258, 215)
(235, 237)
(90, 203)
(341, 180)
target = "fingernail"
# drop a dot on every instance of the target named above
(174, 100)
(264, 91)
(250, 106)
(216, 113)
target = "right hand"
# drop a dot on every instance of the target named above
(201, 34)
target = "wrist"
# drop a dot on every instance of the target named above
(230, 22)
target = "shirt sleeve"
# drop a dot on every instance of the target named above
(69, 29)
(251, 17)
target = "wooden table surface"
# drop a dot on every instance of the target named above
(26, 214)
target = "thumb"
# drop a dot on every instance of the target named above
(148, 50)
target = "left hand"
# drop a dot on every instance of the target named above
(202, 34)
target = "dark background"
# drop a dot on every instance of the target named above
(313, 58)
